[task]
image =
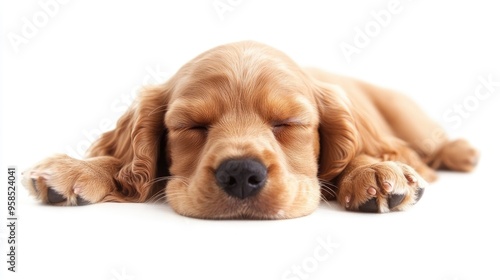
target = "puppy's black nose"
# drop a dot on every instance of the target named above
(241, 177)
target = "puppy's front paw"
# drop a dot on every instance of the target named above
(381, 187)
(62, 180)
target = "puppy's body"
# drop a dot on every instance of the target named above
(242, 132)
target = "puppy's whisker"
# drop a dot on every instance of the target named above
(321, 199)
(159, 179)
(325, 183)
(328, 188)
(177, 195)
(329, 191)
(326, 201)
(161, 196)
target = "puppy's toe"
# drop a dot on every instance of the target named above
(395, 200)
(33, 186)
(81, 201)
(370, 206)
(54, 197)
(419, 194)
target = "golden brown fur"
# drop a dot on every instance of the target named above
(307, 127)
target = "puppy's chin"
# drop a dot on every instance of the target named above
(284, 201)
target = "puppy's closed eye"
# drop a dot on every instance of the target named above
(199, 128)
(285, 128)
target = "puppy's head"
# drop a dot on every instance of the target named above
(242, 136)
(243, 128)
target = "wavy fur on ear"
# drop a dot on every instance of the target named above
(137, 142)
(339, 137)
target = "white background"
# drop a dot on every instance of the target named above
(66, 80)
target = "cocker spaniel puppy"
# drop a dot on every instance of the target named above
(241, 131)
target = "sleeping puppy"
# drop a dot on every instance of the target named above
(242, 132)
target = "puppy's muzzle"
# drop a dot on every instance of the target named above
(241, 178)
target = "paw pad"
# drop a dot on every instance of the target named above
(371, 206)
(395, 200)
(53, 197)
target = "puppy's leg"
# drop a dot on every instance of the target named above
(456, 155)
(371, 185)
(425, 136)
(62, 180)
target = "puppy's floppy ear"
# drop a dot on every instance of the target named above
(339, 139)
(139, 143)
